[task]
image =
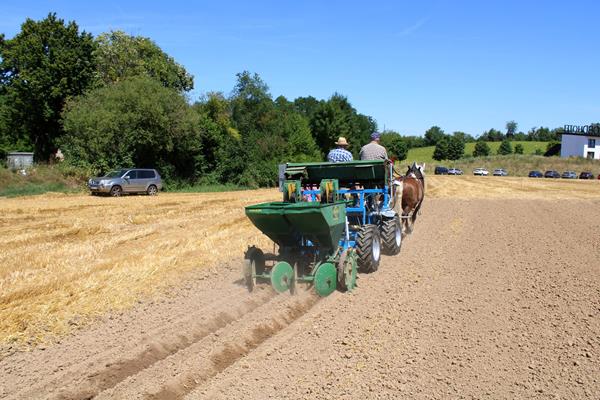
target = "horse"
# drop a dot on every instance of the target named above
(412, 189)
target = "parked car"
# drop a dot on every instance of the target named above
(500, 172)
(586, 175)
(455, 171)
(480, 172)
(535, 174)
(551, 174)
(441, 171)
(569, 175)
(134, 180)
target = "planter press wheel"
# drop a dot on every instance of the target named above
(282, 276)
(254, 263)
(347, 270)
(325, 279)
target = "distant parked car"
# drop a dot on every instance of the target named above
(455, 171)
(535, 174)
(441, 171)
(500, 172)
(134, 180)
(551, 174)
(586, 175)
(569, 175)
(480, 172)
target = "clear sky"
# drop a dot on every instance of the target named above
(462, 65)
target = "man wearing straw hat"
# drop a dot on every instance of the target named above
(340, 153)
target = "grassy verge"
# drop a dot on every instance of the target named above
(39, 179)
(30, 189)
(214, 188)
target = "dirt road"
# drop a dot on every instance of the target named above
(489, 298)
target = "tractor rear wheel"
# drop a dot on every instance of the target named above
(368, 248)
(391, 236)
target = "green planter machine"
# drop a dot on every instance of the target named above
(335, 220)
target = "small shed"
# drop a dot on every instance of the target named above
(19, 160)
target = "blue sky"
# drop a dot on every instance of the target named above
(462, 65)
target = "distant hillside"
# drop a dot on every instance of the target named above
(516, 164)
(425, 154)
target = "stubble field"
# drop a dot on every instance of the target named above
(495, 295)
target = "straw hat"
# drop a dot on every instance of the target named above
(342, 141)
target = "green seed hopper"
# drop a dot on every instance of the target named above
(284, 223)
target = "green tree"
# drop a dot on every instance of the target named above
(465, 137)
(456, 148)
(492, 135)
(136, 122)
(441, 149)
(251, 104)
(272, 132)
(46, 63)
(120, 56)
(336, 117)
(519, 148)
(307, 106)
(482, 149)
(395, 146)
(511, 129)
(505, 148)
(433, 135)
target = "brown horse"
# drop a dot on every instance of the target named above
(413, 193)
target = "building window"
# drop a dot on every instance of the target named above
(590, 155)
(591, 143)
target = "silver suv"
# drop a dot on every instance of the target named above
(121, 181)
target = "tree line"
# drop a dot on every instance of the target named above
(118, 100)
(452, 147)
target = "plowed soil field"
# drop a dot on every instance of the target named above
(496, 294)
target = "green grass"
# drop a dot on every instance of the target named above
(39, 179)
(425, 154)
(30, 189)
(204, 188)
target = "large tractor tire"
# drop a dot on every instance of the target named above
(368, 248)
(391, 236)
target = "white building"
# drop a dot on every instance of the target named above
(19, 160)
(580, 145)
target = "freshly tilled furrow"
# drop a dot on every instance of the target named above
(186, 370)
(115, 372)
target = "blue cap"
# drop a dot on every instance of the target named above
(375, 135)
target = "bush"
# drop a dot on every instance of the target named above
(134, 123)
(482, 149)
(519, 148)
(505, 148)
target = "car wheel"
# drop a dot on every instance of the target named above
(116, 191)
(152, 190)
